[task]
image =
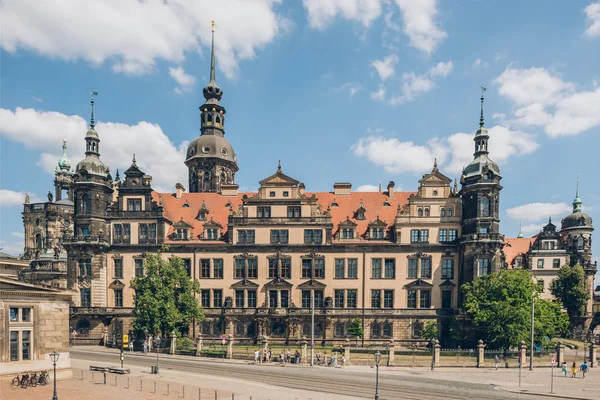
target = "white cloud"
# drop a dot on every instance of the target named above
(321, 13)
(442, 69)
(453, 152)
(185, 81)
(542, 99)
(37, 99)
(133, 35)
(385, 67)
(351, 87)
(367, 188)
(413, 85)
(537, 212)
(419, 24)
(500, 116)
(18, 234)
(9, 198)
(592, 15)
(479, 64)
(44, 130)
(379, 95)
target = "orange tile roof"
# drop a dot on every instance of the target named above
(515, 246)
(175, 210)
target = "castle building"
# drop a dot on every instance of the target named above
(395, 260)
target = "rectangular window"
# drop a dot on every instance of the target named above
(26, 345)
(286, 268)
(126, 231)
(285, 298)
(388, 299)
(483, 266)
(264, 212)
(218, 268)
(273, 269)
(348, 233)
(252, 298)
(246, 236)
(351, 295)
(307, 268)
(134, 204)
(412, 268)
(443, 235)
(414, 235)
(352, 268)
(205, 293)
(217, 298)
(375, 298)
(452, 235)
(339, 298)
(426, 268)
(143, 232)
(446, 299)
(390, 268)
(187, 265)
(376, 268)
(25, 314)
(273, 298)
(151, 231)
(85, 267)
(319, 264)
(306, 299)
(340, 268)
(14, 346)
(425, 299)
(376, 233)
(319, 298)
(239, 298)
(294, 212)
(240, 268)
(85, 297)
(447, 268)
(424, 235)
(138, 266)
(313, 236)
(14, 314)
(118, 268)
(556, 263)
(118, 297)
(540, 263)
(279, 236)
(205, 268)
(411, 299)
(252, 272)
(117, 231)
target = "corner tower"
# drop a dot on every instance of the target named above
(63, 177)
(481, 240)
(210, 158)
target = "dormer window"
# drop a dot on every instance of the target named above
(376, 233)
(347, 233)
(386, 203)
(360, 215)
(360, 212)
(202, 216)
(186, 205)
(212, 234)
(182, 234)
(334, 204)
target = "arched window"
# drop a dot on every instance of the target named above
(449, 212)
(38, 241)
(484, 207)
(84, 204)
(420, 212)
(218, 119)
(443, 212)
(580, 243)
(202, 118)
(427, 212)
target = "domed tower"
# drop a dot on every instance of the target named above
(481, 240)
(576, 230)
(210, 158)
(63, 176)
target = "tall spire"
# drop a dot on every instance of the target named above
(577, 202)
(212, 54)
(483, 89)
(481, 136)
(212, 93)
(92, 94)
(520, 235)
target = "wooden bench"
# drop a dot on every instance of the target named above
(97, 368)
(116, 370)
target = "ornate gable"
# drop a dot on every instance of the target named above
(279, 179)
(181, 224)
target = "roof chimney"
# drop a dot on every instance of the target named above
(229, 190)
(390, 188)
(179, 189)
(301, 188)
(342, 189)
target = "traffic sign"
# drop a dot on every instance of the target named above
(223, 339)
(553, 359)
(312, 345)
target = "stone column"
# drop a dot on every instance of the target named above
(230, 348)
(560, 353)
(522, 352)
(347, 351)
(199, 345)
(265, 343)
(480, 354)
(105, 336)
(391, 353)
(304, 350)
(173, 342)
(593, 354)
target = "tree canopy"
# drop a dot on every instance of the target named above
(499, 305)
(165, 298)
(355, 328)
(569, 289)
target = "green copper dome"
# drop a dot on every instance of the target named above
(64, 164)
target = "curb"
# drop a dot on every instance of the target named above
(551, 395)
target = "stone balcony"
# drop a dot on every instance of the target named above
(318, 220)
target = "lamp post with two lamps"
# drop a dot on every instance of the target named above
(377, 360)
(54, 357)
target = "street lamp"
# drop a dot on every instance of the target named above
(377, 360)
(157, 345)
(54, 357)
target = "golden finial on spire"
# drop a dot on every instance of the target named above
(212, 24)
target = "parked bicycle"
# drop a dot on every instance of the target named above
(44, 378)
(30, 379)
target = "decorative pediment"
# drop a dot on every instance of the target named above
(278, 255)
(279, 179)
(377, 223)
(202, 212)
(312, 284)
(419, 283)
(245, 256)
(312, 255)
(212, 224)
(447, 283)
(420, 255)
(181, 224)
(116, 284)
(278, 282)
(244, 284)
(117, 256)
(348, 223)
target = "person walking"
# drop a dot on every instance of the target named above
(335, 364)
(297, 357)
(256, 355)
(282, 356)
(563, 368)
(131, 347)
(145, 346)
(318, 358)
(584, 369)
(573, 370)
(496, 361)
(343, 361)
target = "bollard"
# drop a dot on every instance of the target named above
(93, 377)
(105, 378)
(81, 374)
(141, 387)
(199, 394)
(232, 396)
(154, 387)
(215, 395)
(115, 381)
(127, 382)
(168, 389)
(183, 397)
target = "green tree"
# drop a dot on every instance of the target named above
(569, 289)
(165, 298)
(430, 330)
(355, 328)
(499, 305)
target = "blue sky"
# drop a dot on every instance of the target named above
(338, 90)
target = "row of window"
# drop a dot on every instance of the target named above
(444, 212)
(280, 236)
(422, 235)
(122, 232)
(555, 263)
(265, 211)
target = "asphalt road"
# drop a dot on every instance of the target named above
(349, 382)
